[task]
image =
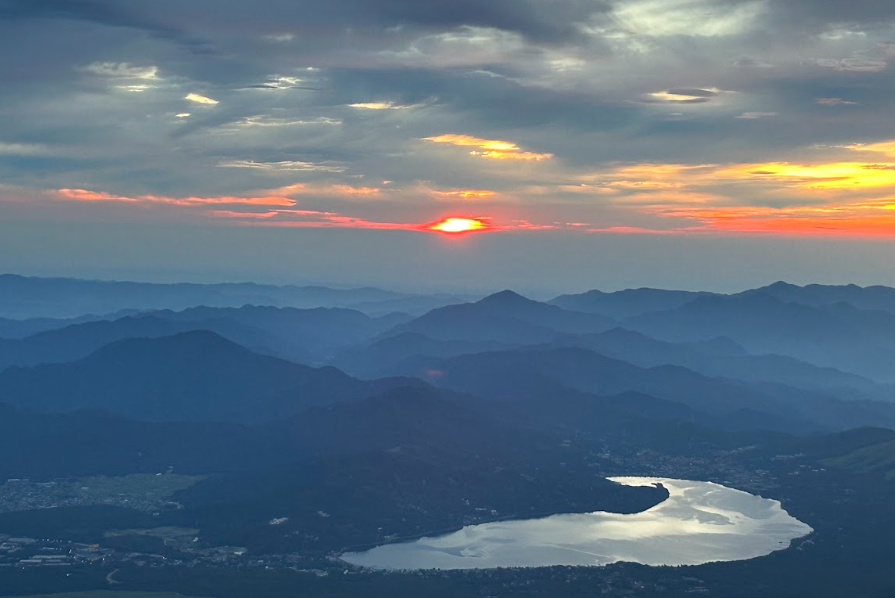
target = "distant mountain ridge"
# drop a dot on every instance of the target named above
(872, 298)
(838, 335)
(31, 297)
(504, 317)
(627, 303)
(633, 302)
(723, 357)
(303, 335)
(542, 373)
(80, 340)
(193, 376)
(17, 329)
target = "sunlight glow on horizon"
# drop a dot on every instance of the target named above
(459, 225)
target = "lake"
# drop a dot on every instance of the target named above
(700, 522)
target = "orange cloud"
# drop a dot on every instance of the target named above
(645, 177)
(286, 214)
(304, 189)
(308, 219)
(99, 196)
(874, 218)
(234, 214)
(883, 147)
(349, 190)
(466, 194)
(810, 176)
(526, 225)
(841, 197)
(291, 218)
(836, 175)
(489, 148)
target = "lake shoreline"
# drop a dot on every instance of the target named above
(699, 523)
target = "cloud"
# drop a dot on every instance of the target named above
(466, 194)
(280, 82)
(835, 175)
(661, 18)
(378, 106)
(134, 88)
(489, 148)
(200, 99)
(749, 62)
(100, 12)
(279, 38)
(552, 22)
(261, 120)
(374, 105)
(284, 165)
(452, 225)
(838, 14)
(860, 219)
(23, 149)
(641, 103)
(834, 102)
(325, 189)
(351, 190)
(756, 115)
(685, 96)
(86, 195)
(855, 64)
(881, 147)
(241, 215)
(122, 70)
(320, 219)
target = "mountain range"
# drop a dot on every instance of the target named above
(308, 430)
(24, 297)
(193, 376)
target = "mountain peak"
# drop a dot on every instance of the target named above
(181, 344)
(506, 298)
(780, 285)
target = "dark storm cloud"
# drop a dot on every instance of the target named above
(487, 104)
(103, 13)
(804, 14)
(70, 9)
(542, 21)
(538, 20)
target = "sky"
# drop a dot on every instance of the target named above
(562, 144)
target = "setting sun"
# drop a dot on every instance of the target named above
(458, 225)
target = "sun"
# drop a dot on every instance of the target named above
(458, 225)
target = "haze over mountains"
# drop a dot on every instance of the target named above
(395, 424)
(28, 297)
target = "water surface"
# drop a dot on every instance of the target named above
(700, 522)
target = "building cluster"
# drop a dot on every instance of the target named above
(35, 552)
